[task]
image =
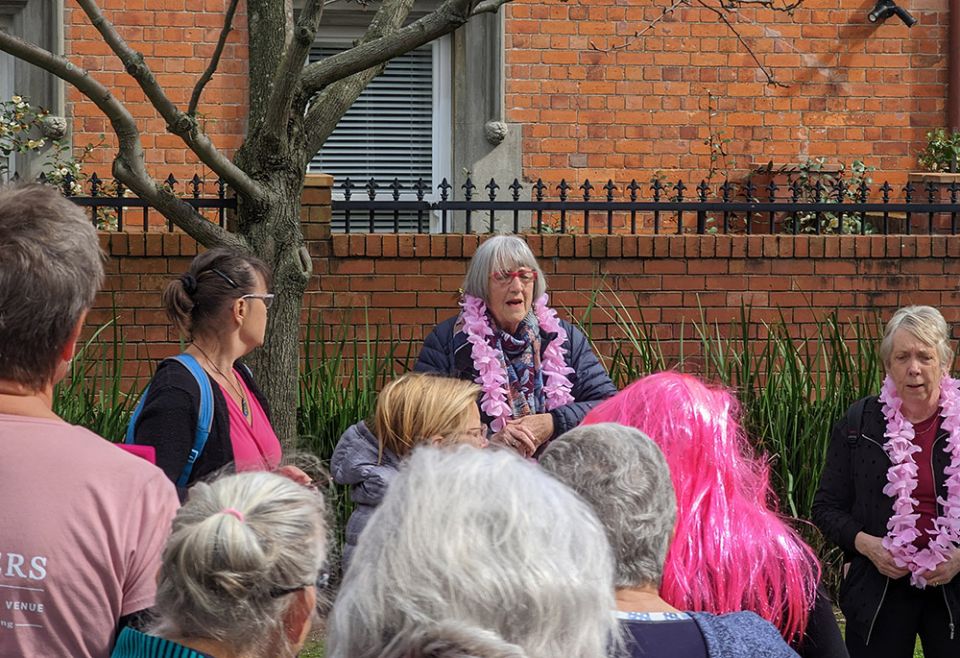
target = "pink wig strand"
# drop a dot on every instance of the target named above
(732, 550)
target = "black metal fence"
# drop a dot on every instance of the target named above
(111, 207)
(799, 206)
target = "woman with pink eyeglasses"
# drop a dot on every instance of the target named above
(538, 374)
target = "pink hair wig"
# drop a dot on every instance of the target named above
(732, 550)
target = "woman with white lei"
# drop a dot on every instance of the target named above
(538, 373)
(890, 497)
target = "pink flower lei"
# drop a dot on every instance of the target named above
(491, 374)
(902, 480)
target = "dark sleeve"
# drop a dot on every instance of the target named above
(833, 501)
(434, 355)
(822, 638)
(168, 421)
(592, 384)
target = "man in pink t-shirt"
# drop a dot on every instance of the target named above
(82, 523)
(82, 527)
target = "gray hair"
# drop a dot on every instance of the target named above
(500, 253)
(623, 474)
(482, 540)
(51, 267)
(927, 325)
(240, 547)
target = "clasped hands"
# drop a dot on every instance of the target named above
(525, 434)
(872, 548)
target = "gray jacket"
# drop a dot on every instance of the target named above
(357, 462)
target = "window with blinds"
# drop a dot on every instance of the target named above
(387, 134)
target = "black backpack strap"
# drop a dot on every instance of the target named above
(855, 421)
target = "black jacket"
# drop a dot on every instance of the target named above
(851, 499)
(449, 354)
(168, 421)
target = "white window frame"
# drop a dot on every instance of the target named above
(442, 131)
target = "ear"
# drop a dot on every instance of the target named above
(436, 440)
(240, 309)
(69, 349)
(296, 618)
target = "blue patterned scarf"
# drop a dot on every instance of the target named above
(520, 356)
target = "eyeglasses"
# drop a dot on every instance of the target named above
(267, 299)
(524, 274)
(478, 433)
(323, 579)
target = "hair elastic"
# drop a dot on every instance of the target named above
(233, 512)
(189, 283)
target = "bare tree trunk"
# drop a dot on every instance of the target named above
(272, 229)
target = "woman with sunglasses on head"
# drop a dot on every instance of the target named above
(220, 306)
(240, 573)
(538, 373)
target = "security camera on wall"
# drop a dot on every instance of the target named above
(884, 9)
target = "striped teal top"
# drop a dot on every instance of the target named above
(134, 644)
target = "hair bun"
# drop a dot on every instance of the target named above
(189, 283)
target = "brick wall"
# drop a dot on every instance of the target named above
(855, 90)
(402, 285)
(177, 39)
(594, 108)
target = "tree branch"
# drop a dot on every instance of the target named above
(649, 26)
(488, 7)
(445, 19)
(333, 102)
(720, 12)
(215, 60)
(771, 80)
(178, 123)
(287, 76)
(128, 164)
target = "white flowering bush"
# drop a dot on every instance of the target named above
(25, 128)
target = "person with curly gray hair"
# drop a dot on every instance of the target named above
(240, 572)
(624, 476)
(82, 523)
(476, 553)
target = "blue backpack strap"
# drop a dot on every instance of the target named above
(128, 439)
(204, 416)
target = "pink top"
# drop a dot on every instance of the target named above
(82, 527)
(255, 444)
(926, 491)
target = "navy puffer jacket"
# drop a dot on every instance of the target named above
(448, 353)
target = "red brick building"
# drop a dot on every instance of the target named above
(579, 94)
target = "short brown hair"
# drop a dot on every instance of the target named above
(417, 406)
(51, 267)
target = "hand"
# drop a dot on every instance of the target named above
(945, 572)
(540, 426)
(296, 474)
(517, 437)
(873, 549)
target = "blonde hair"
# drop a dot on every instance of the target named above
(417, 406)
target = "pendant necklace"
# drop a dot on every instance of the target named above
(234, 385)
